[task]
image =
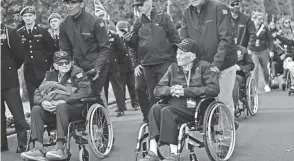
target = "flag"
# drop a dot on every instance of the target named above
(101, 12)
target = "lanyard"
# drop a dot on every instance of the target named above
(189, 78)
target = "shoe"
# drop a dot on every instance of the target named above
(236, 125)
(4, 148)
(20, 149)
(292, 88)
(135, 106)
(150, 157)
(35, 154)
(172, 157)
(222, 151)
(120, 113)
(267, 88)
(117, 110)
(56, 154)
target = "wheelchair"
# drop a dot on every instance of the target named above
(96, 130)
(249, 98)
(209, 124)
(288, 83)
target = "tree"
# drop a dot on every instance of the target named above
(285, 7)
(271, 7)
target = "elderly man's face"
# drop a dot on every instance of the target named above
(145, 7)
(196, 3)
(63, 65)
(184, 58)
(54, 23)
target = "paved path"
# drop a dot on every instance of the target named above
(268, 136)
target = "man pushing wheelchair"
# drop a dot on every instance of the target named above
(51, 108)
(181, 88)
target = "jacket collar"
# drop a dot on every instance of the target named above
(201, 7)
(195, 65)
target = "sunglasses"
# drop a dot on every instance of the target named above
(287, 22)
(63, 63)
(235, 4)
(138, 5)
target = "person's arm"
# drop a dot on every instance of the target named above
(49, 45)
(122, 50)
(17, 47)
(64, 42)
(82, 83)
(252, 34)
(173, 33)
(133, 41)
(102, 43)
(162, 89)
(38, 97)
(224, 28)
(285, 40)
(211, 83)
(184, 29)
(249, 65)
(134, 57)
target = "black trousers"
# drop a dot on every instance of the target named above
(12, 98)
(164, 120)
(32, 85)
(64, 115)
(153, 74)
(128, 79)
(98, 84)
(143, 96)
(117, 90)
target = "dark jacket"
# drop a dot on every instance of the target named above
(118, 52)
(55, 39)
(74, 78)
(265, 40)
(288, 42)
(244, 31)
(125, 64)
(153, 38)
(204, 81)
(245, 61)
(85, 38)
(39, 48)
(212, 29)
(12, 57)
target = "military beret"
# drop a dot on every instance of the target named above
(54, 15)
(28, 9)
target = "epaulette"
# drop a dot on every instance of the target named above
(41, 25)
(22, 28)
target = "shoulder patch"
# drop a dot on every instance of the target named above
(225, 12)
(42, 26)
(20, 28)
(214, 69)
(101, 24)
(79, 75)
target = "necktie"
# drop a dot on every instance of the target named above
(30, 31)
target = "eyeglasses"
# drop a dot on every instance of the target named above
(235, 4)
(286, 22)
(63, 63)
(138, 5)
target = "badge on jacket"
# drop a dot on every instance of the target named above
(79, 75)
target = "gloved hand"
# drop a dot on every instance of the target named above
(93, 73)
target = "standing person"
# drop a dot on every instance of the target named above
(54, 22)
(126, 68)
(244, 31)
(12, 57)
(262, 50)
(39, 47)
(152, 35)
(84, 36)
(208, 22)
(117, 51)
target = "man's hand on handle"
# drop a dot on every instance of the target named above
(93, 73)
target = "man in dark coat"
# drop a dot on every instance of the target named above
(54, 22)
(12, 57)
(39, 48)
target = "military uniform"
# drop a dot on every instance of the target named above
(54, 34)
(39, 47)
(12, 57)
(117, 50)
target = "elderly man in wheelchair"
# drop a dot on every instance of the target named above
(66, 82)
(181, 88)
(245, 87)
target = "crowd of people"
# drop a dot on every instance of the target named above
(210, 54)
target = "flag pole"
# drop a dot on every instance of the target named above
(168, 6)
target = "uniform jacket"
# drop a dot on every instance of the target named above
(288, 42)
(265, 40)
(211, 28)
(118, 52)
(125, 64)
(204, 81)
(153, 38)
(39, 48)
(85, 37)
(55, 39)
(244, 31)
(245, 61)
(12, 57)
(74, 78)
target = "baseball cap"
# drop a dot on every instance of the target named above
(73, 0)
(122, 24)
(58, 55)
(54, 15)
(188, 45)
(138, 2)
(232, 1)
(28, 9)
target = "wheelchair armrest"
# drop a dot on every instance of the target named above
(90, 100)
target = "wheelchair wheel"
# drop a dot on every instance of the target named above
(100, 131)
(83, 154)
(219, 132)
(252, 96)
